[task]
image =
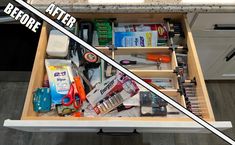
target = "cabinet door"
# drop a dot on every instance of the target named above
(227, 66)
(207, 21)
(212, 53)
(204, 24)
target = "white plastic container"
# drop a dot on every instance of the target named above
(58, 44)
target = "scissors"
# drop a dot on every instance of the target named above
(74, 96)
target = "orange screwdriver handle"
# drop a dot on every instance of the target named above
(80, 89)
(156, 57)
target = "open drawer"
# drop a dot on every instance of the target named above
(31, 121)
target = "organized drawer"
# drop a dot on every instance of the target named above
(172, 66)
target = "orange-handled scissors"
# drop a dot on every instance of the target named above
(72, 96)
(80, 89)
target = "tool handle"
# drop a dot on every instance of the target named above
(68, 99)
(148, 80)
(160, 58)
(127, 62)
(80, 89)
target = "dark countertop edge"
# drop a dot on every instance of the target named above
(149, 8)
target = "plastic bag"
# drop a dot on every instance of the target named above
(58, 78)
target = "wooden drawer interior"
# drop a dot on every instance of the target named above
(38, 71)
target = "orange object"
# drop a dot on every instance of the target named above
(78, 114)
(72, 97)
(80, 89)
(159, 58)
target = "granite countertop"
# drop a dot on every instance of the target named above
(149, 6)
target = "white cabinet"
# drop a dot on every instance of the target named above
(212, 54)
(215, 44)
(207, 21)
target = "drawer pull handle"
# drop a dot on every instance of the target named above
(118, 133)
(224, 27)
(230, 55)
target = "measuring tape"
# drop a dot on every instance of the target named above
(90, 57)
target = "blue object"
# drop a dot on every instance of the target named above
(42, 100)
(136, 39)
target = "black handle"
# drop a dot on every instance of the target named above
(224, 27)
(127, 62)
(230, 55)
(118, 133)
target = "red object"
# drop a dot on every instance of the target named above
(148, 80)
(160, 28)
(160, 58)
(91, 57)
(78, 114)
(72, 97)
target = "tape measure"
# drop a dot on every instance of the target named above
(90, 57)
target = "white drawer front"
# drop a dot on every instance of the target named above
(112, 126)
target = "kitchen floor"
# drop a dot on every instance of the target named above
(12, 94)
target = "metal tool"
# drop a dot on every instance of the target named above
(154, 57)
(135, 64)
(130, 62)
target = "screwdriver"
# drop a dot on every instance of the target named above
(154, 57)
(131, 62)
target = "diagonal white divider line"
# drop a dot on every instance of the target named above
(127, 72)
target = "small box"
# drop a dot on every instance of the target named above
(152, 105)
(136, 39)
(58, 44)
(111, 93)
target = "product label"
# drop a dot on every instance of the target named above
(61, 79)
(136, 39)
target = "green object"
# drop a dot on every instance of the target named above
(104, 31)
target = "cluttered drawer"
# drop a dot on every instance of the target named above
(71, 89)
